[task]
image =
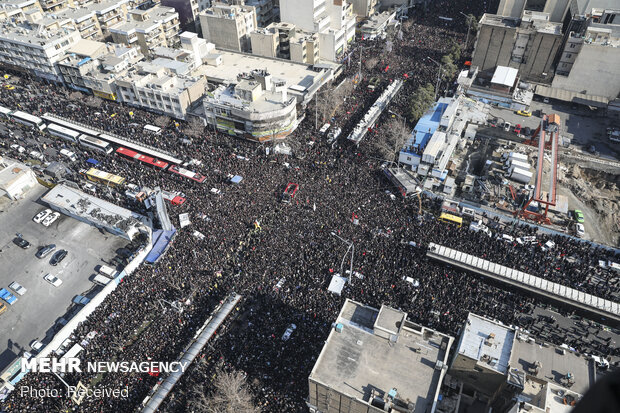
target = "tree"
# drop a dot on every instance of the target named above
(162, 121)
(231, 395)
(392, 136)
(194, 127)
(448, 68)
(422, 99)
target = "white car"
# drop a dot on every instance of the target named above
(580, 231)
(55, 281)
(41, 216)
(288, 332)
(49, 220)
(36, 345)
(17, 288)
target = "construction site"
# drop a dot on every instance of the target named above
(530, 174)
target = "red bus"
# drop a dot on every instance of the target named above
(289, 192)
(128, 153)
(187, 174)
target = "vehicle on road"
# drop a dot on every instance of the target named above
(49, 220)
(18, 288)
(3, 308)
(9, 298)
(517, 129)
(58, 257)
(41, 216)
(21, 243)
(288, 332)
(580, 231)
(507, 126)
(81, 300)
(45, 251)
(579, 216)
(524, 113)
(289, 192)
(55, 281)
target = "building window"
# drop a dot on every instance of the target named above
(569, 55)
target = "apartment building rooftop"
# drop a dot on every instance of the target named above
(76, 14)
(105, 6)
(26, 33)
(378, 351)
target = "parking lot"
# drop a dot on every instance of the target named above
(35, 314)
(583, 126)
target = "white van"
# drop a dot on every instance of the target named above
(107, 271)
(36, 155)
(68, 154)
(101, 280)
(324, 129)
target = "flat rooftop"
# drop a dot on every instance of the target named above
(555, 364)
(234, 64)
(487, 341)
(356, 360)
(95, 209)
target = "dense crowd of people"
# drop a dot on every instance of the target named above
(253, 242)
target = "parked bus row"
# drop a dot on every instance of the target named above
(98, 141)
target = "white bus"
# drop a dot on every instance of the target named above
(63, 133)
(27, 119)
(95, 144)
(5, 112)
(153, 129)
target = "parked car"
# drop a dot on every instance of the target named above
(49, 220)
(580, 231)
(41, 216)
(524, 113)
(55, 281)
(45, 251)
(58, 257)
(81, 300)
(517, 128)
(507, 126)
(527, 131)
(9, 298)
(579, 216)
(36, 345)
(22, 243)
(18, 288)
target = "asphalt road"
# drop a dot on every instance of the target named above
(34, 314)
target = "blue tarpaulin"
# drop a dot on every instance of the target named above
(92, 161)
(236, 179)
(161, 242)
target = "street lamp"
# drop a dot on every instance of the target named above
(468, 27)
(438, 73)
(352, 248)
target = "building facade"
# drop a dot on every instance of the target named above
(229, 26)
(256, 108)
(528, 44)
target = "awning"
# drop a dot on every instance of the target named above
(575, 97)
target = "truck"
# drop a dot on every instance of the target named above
(519, 175)
(478, 226)
(101, 280)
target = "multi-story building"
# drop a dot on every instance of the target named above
(150, 28)
(17, 9)
(50, 6)
(160, 91)
(528, 44)
(266, 11)
(24, 47)
(365, 8)
(114, 64)
(284, 41)
(187, 9)
(85, 21)
(257, 108)
(595, 49)
(228, 26)
(79, 61)
(333, 20)
(503, 366)
(375, 360)
(109, 13)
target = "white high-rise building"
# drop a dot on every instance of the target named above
(333, 20)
